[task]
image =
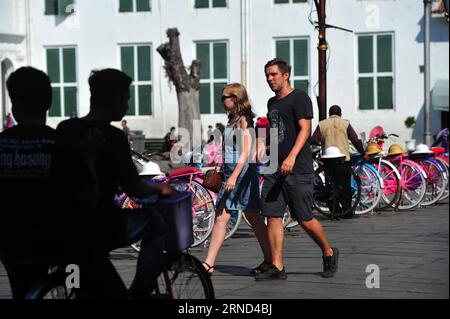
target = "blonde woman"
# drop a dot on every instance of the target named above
(240, 187)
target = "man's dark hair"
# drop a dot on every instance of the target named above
(31, 88)
(106, 84)
(335, 110)
(282, 65)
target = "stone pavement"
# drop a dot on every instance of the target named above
(410, 248)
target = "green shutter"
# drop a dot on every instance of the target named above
(281, 1)
(203, 56)
(219, 3)
(132, 101)
(201, 4)
(366, 94)
(302, 85)
(283, 50)
(300, 1)
(66, 7)
(55, 109)
(384, 53)
(53, 69)
(301, 58)
(365, 54)
(205, 98)
(220, 61)
(144, 63)
(51, 7)
(218, 105)
(126, 6)
(143, 5)
(69, 65)
(127, 60)
(145, 100)
(385, 93)
(70, 101)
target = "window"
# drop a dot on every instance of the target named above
(136, 61)
(205, 4)
(61, 68)
(59, 7)
(295, 51)
(290, 1)
(376, 72)
(213, 75)
(134, 6)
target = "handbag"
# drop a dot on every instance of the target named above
(213, 180)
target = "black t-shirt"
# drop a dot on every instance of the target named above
(114, 168)
(284, 115)
(27, 192)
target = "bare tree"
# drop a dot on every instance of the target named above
(187, 85)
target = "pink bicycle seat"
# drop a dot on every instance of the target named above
(185, 172)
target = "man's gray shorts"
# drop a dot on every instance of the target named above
(295, 191)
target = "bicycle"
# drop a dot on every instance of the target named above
(182, 275)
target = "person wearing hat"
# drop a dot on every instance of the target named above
(336, 132)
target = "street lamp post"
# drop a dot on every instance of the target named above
(323, 48)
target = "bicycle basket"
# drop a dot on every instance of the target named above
(177, 212)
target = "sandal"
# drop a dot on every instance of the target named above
(210, 269)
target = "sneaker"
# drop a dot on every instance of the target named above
(261, 268)
(330, 264)
(271, 274)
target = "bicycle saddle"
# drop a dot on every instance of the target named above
(185, 172)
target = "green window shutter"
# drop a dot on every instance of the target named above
(281, 1)
(220, 61)
(300, 1)
(132, 101)
(127, 60)
(283, 50)
(201, 4)
(66, 7)
(70, 101)
(384, 53)
(55, 109)
(143, 5)
(144, 63)
(145, 100)
(126, 6)
(203, 56)
(366, 94)
(51, 7)
(385, 93)
(219, 3)
(205, 98)
(53, 69)
(69, 65)
(302, 85)
(365, 54)
(301, 57)
(218, 106)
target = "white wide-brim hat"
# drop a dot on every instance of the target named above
(150, 169)
(332, 152)
(422, 149)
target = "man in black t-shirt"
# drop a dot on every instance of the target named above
(111, 226)
(290, 112)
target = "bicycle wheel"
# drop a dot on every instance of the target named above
(413, 185)
(233, 223)
(371, 189)
(185, 278)
(52, 287)
(391, 180)
(203, 210)
(444, 164)
(328, 200)
(436, 182)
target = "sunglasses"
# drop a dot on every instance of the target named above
(226, 97)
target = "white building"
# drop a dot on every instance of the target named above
(374, 73)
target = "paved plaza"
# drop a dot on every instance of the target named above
(411, 250)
